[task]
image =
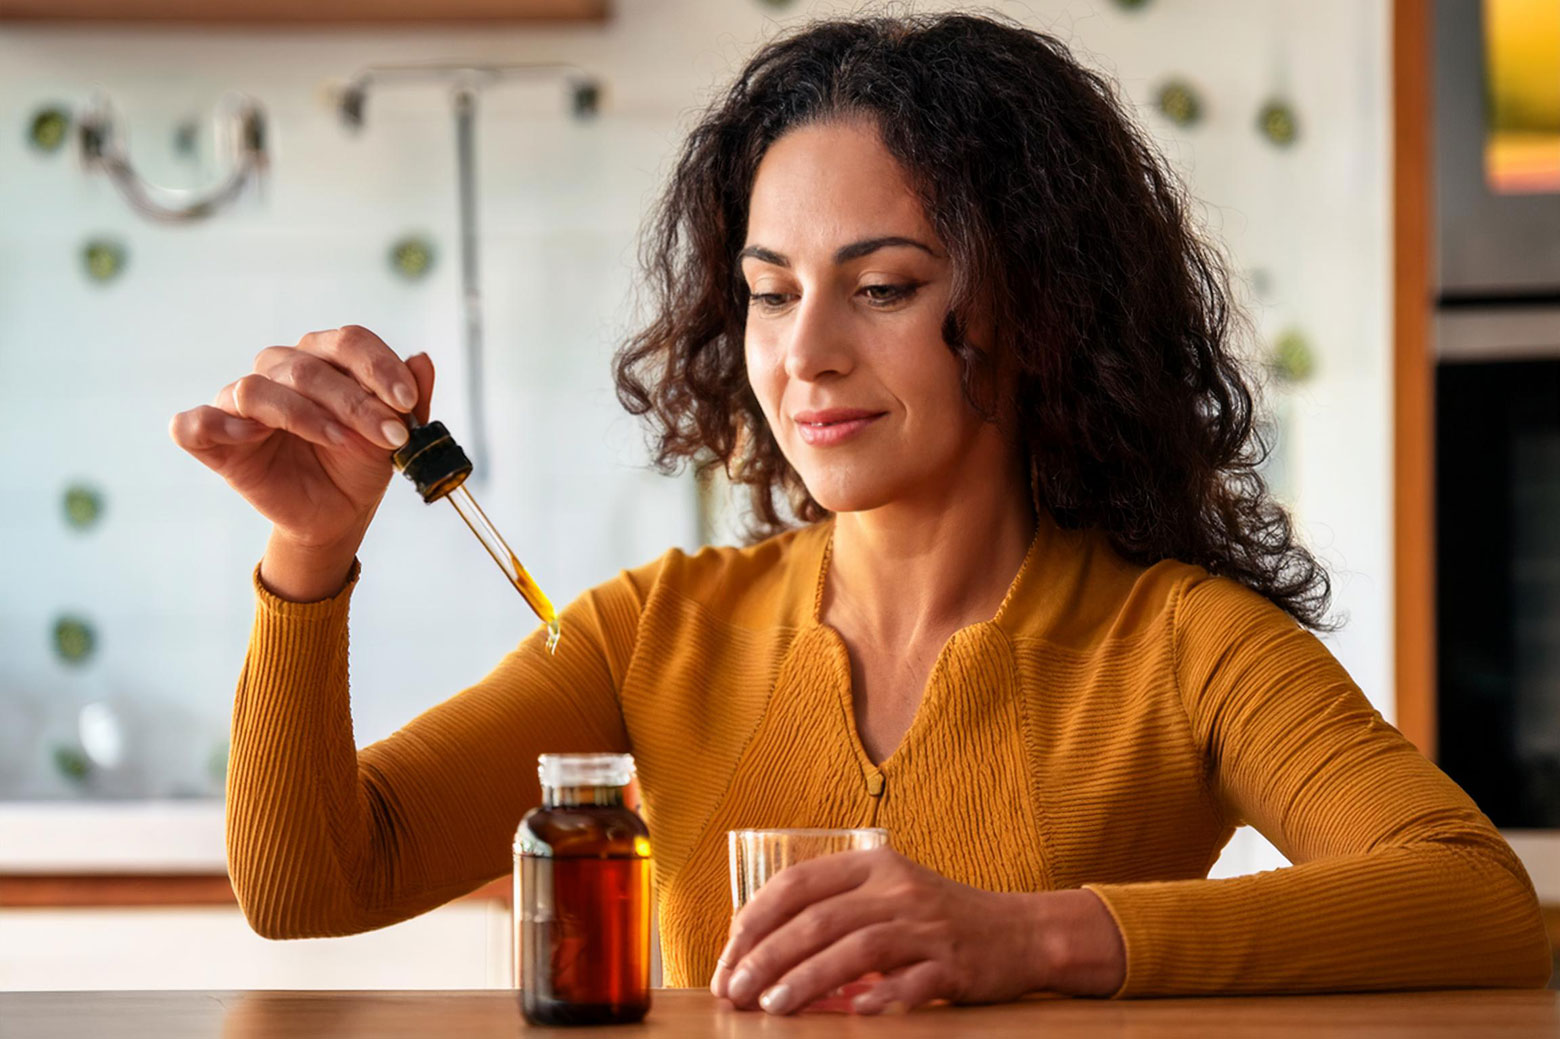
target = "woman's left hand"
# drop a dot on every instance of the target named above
(824, 923)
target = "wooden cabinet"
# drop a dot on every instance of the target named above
(1413, 378)
(304, 12)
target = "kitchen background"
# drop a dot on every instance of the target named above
(125, 595)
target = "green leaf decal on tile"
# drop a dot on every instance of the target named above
(103, 259)
(83, 506)
(411, 257)
(1278, 122)
(217, 764)
(47, 129)
(1179, 102)
(72, 763)
(74, 640)
(1291, 358)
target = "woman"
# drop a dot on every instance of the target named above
(921, 284)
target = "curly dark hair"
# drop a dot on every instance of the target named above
(1113, 321)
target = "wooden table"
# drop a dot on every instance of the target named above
(693, 1014)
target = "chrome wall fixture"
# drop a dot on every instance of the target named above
(240, 125)
(465, 81)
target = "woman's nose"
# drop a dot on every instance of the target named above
(817, 343)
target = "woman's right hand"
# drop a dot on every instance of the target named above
(306, 438)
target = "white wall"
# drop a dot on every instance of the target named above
(89, 374)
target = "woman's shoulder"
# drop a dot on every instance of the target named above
(1207, 614)
(772, 582)
(1085, 594)
(1197, 600)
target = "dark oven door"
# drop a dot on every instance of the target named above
(1498, 581)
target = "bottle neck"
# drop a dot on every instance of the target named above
(570, 796)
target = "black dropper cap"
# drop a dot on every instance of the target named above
(432, 460)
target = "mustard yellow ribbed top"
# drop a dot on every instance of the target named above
(1109, 729)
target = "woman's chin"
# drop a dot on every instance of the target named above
(840, 497)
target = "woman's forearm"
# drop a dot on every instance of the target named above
(1429, 915)
(294, 822)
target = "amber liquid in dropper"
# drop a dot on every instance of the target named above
(507, 561)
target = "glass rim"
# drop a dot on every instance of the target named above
(811, 831)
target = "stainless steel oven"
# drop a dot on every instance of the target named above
(1497, 446)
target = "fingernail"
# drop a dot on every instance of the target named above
(777, 1000)
(335, 434)
(864, 1003)
(394, 432)
(738, 988)
(404, 395)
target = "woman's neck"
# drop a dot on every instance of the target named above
(921, 570)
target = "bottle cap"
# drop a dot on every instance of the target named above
(558, 770)
(432, 460)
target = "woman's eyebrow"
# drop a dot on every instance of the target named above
(844, 254)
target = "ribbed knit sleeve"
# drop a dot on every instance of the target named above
(1399, 881)
(323, 839)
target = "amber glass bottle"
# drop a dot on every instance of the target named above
(582, 896)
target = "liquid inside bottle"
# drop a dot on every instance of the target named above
(582, 896)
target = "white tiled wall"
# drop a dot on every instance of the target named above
(89, 374)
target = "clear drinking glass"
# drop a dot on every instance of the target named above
(757, 855)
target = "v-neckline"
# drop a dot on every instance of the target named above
(922, 716)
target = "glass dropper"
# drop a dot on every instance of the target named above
(506, 559)
(435, 463)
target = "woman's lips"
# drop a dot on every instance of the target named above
(835, 426)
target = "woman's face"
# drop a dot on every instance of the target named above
(849, 288)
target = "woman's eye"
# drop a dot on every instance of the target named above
(888, 293)
(877, 295)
